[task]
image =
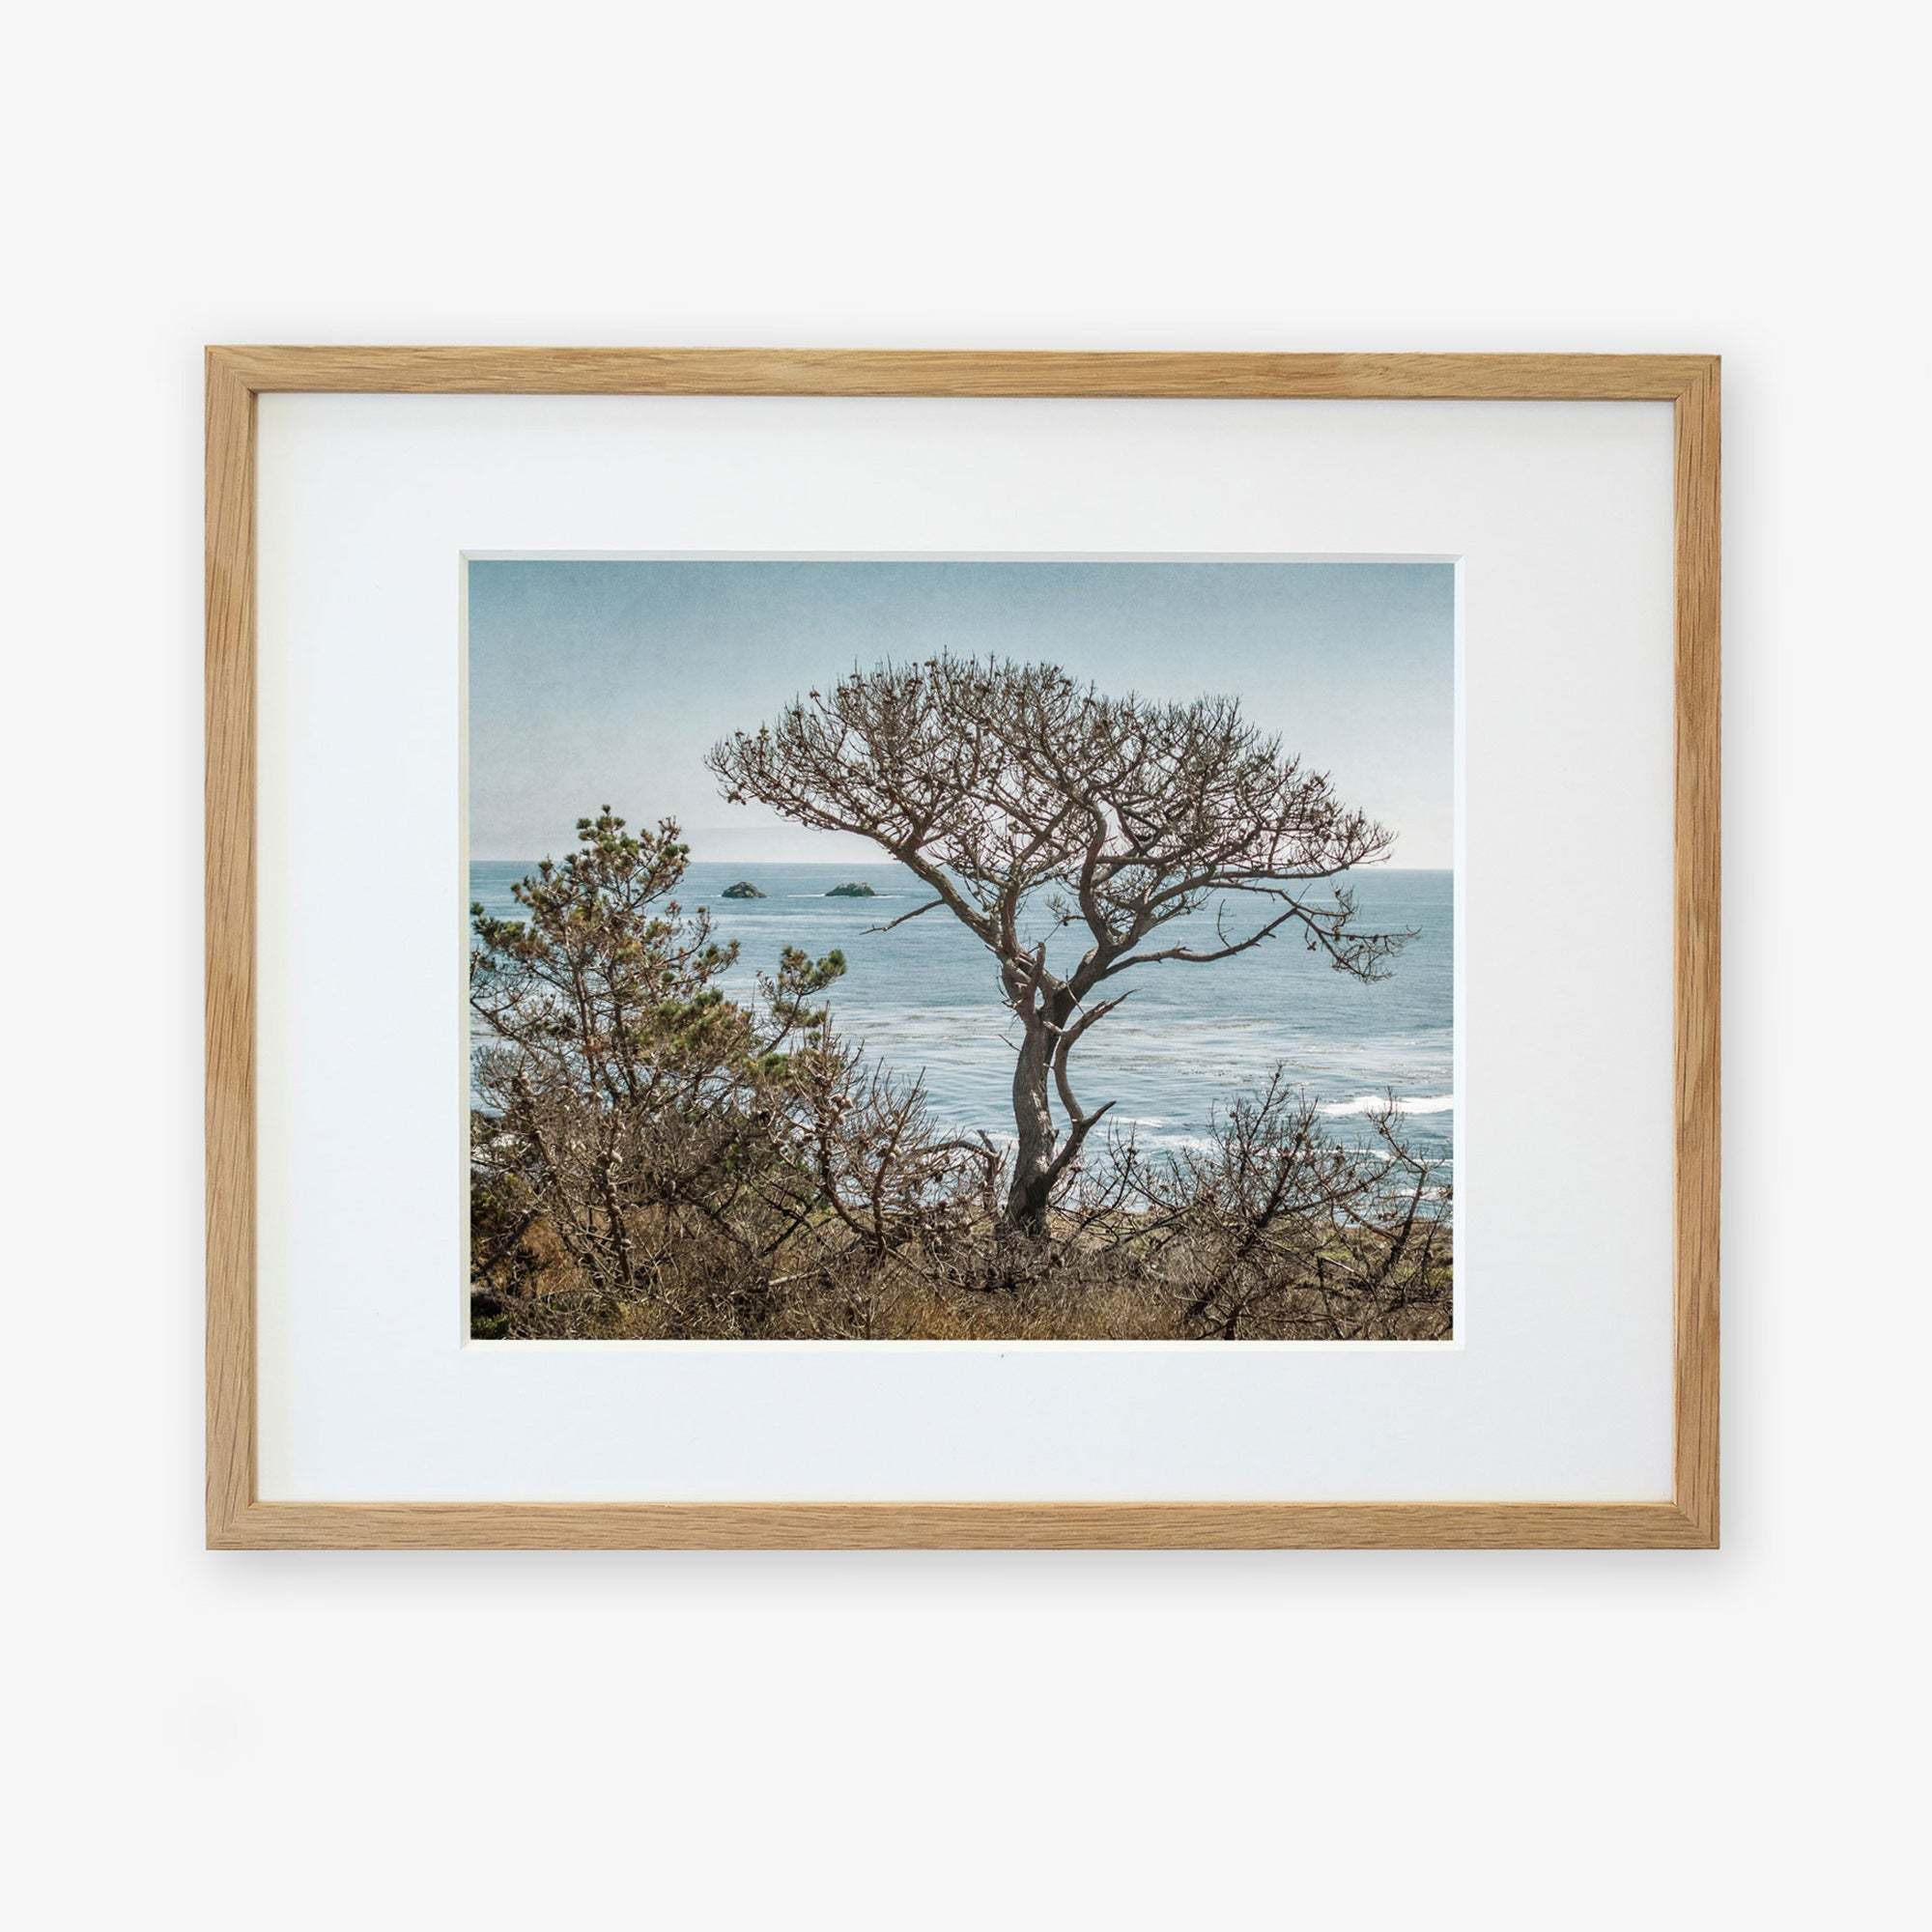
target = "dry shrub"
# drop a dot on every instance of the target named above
(1272, 1231)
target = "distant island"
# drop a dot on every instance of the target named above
(852, 891)
(743, 890)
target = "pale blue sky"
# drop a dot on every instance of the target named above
(606, 681)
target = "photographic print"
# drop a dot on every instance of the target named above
(952, 949)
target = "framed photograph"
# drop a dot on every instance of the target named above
(870, 948)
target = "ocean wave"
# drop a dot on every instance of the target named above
(1370, 1103)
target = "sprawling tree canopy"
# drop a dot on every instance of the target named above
(995, 782)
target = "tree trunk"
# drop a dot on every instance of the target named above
(1032, 1159)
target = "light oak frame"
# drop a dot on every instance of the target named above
(237, 1518)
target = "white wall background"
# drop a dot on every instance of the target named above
(938, 1740)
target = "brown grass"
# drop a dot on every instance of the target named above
(1090, 1287)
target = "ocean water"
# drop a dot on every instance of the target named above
(924, 1000)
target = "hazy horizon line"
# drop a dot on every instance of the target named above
(698, 858)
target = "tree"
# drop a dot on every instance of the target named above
(651, 1154)
(628, 1102)
(996, 781)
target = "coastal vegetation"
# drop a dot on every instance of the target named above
(652, 1158)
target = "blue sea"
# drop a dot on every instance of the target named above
(924, 1000)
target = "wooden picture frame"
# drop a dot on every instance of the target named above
(236, 1517)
